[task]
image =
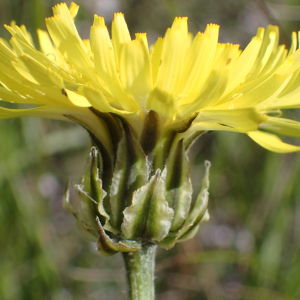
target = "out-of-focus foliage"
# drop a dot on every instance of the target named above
(250, 249)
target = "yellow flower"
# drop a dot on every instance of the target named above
(183, 79)
(143, 109)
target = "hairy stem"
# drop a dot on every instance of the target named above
(140, 272)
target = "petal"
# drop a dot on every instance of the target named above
(293, 47)
(291, 100)
(292, 85)
(198, 62)
(275, 60)
(243, 64)
(32, 70)
(52, 112)
(21, 32)
(205, 126)
(6, 55)
(170, 70)
(180, 23)
(82, 116)
(71, 46)
(272, 142)
(73, 10)
(48, 49)
(53, 94)
(10, 96)
(161, 102)
(243, 120)
(120, 34)
(213, 31)
(227, 57)
(209, 95)
(270, 43)
(29, 94)
(56, 78)
(39, 61)
(106, 67)
(281, 126)
(39, 74)
(45, 42)
(156, 58)
(247, 97)
(22, 47)
(66, 14)
(135, 71)
(77, 99)
(98, 100)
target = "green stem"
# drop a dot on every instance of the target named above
(140, 272)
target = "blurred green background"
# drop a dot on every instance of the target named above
(250, 249)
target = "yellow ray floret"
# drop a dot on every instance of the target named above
(180, 77)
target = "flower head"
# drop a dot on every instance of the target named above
(218, 85)
(144, 108)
